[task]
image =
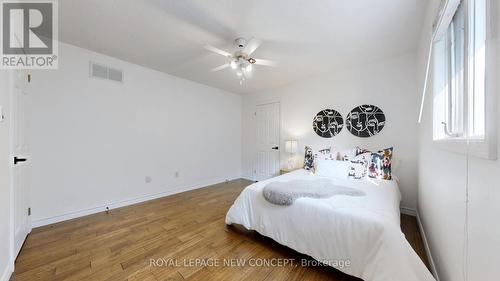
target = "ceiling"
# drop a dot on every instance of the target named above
(305, 38)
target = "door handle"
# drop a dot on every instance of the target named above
(17, 160)
(275, 148)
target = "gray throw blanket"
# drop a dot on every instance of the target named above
(285, 193)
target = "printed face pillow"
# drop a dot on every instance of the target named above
(311, 156)
(346, 154)
(361, 150)
(324, 154)
(380, 165)
(308, 158)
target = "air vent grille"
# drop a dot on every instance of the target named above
(104, 72)
(115, 75)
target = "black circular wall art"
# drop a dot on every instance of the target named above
(365, 121)
(328, 123)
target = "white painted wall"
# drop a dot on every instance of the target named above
(390, 84)
(93, 142)
(6, 265)
(441, 194)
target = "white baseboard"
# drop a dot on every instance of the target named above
(408, 211)
(123, 203)
(412, 212)
(427, 248)
(7, 272)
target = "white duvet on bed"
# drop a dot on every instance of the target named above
(364, 230)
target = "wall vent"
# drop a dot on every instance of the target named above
(104, 72)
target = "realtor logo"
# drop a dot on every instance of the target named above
(29, 35)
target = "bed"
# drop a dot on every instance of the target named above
(361, 232)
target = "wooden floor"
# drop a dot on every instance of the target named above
(187, 227)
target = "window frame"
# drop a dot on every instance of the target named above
(485, 145)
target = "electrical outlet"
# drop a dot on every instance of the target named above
(176, 174)
(148, 179)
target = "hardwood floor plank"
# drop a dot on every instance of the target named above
(121, 244)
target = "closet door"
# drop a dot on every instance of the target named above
(268, 139)
(22, 211)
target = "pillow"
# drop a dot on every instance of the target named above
(325, 153)
(311, 156)
(345, 154)
(308, 158)
(332, 168)
(357, 170)
(361, 150)
(359, 166)
(380, 164)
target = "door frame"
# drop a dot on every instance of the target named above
(280, 125)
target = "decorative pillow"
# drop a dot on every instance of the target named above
(308, 158)
(311, 156)
(357, 170)
(325, 153)
(380, 165)
(359, 165)
(345, 154)
(332, 168)
(365, 158)
(361, 150)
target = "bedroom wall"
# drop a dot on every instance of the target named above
(389, 84)
(93, 142)
(441, 196)
(6, 265)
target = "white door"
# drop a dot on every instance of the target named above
(22, 224)
(268, 139)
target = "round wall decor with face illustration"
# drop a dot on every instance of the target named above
(328, 123)
(365, 121)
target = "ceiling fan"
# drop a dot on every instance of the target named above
(241, 60)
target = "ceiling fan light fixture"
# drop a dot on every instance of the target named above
(240, 60)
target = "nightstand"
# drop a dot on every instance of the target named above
(286, 170)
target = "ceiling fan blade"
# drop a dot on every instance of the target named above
(220, 67)
(265, 62)
(217, 51)
(252, 45)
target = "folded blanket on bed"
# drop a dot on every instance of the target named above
(285, 193)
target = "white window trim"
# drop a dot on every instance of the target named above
(487, 147)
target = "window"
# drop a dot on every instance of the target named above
(477, 70)
(459, 74)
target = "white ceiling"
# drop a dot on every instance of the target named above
(305, 37)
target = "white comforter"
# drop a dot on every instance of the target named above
(363, 231)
